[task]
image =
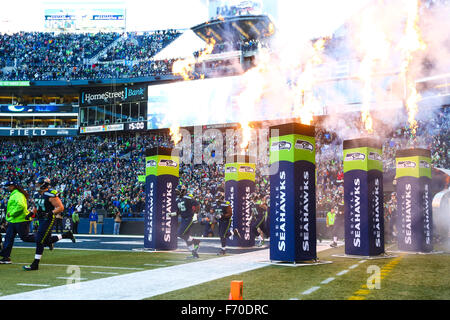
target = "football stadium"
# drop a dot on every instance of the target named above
(204, 151)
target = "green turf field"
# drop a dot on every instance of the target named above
(405, 277)
(57, 266)
(416, 277)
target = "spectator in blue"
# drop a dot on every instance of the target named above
(126, 209)
(116, 203)
(93, 219)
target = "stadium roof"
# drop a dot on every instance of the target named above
(236, 29)
(185, 45)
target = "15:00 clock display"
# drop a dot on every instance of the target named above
(141, 125)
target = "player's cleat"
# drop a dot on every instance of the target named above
(69, 235)
(196, 243)
(260, 242)
(31, 267)
(194, 255)
(221, 252)
(5, 261)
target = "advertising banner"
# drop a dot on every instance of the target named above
(161, 180)
(111, 95)
(363, 197)
(83, 17)
(239, 187)
(103, 128)
(14, 83)
(292, 193)
(38, 132)
(414, 210)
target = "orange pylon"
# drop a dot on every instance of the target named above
(236, 290)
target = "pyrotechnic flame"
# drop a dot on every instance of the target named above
(255, 81)
(246, 135)
(305, 102)
(270, 30)
(184, 67)
(411, 106)
(411, 43)
(374, 45)
(366, 70)
(175, 134)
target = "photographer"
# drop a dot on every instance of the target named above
(117, 221)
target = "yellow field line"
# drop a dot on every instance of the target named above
(363, 291)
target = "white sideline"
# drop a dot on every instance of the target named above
(149, 283)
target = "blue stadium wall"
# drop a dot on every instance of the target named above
(135, 226)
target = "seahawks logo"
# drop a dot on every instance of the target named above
(150, 163)
(246, 169)
(406, 164)
(167, 163)
(230, 170)
(355, 156)
(374, 156)
(304, 145)
(424, 164)
(280, 145)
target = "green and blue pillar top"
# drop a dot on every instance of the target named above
(362, 154)
(240, 167)
(292, 142)
(162, 161)
(413, 163)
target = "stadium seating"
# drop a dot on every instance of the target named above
(41, 56)
(101, 171)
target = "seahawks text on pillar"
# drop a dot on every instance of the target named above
(168, 220)
(408, 213)
(281, 241)
(305, 243)
(357, 211)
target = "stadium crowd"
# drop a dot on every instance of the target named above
(45, 56)
(133, 46)
(48, 56)
(36, 56)
(102, 171)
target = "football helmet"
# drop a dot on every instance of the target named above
(42, 183)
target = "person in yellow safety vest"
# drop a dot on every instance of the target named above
(331, 225)
(16, 216)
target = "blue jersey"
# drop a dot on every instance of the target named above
(43, 205)
(258, 212)
(222, 210)
(185, 206)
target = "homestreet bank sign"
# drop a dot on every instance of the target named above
(108, 95)
(38, 132)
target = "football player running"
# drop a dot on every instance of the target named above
(187, 208)
(47, 205)
(223, 213)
